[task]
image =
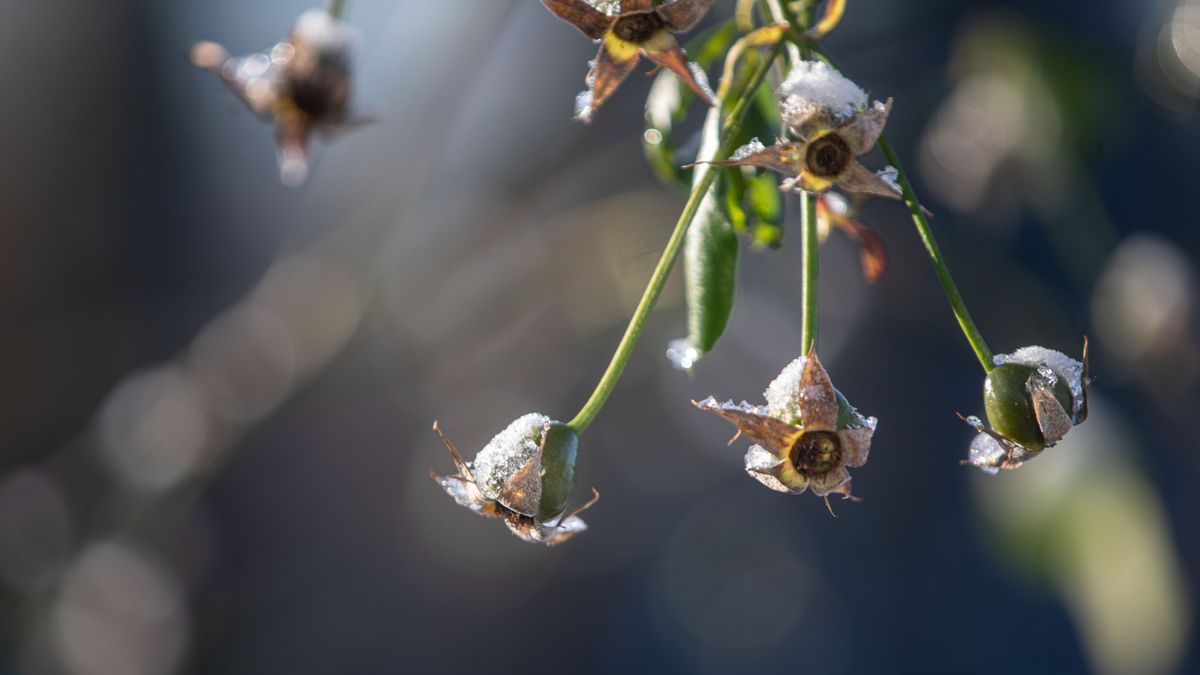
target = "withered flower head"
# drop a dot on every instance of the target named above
(627, 30)
(302, 84)
(806, 436)
(1032, 398)
(833, 124)
(525, 476)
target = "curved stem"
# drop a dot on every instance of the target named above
(957, 305)
(961, 313)
(336, 8)
(662, 271)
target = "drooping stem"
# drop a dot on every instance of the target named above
(810, 304)
(637, 324)
(961, 313)
(337, 8)
(812, 267)
(957, 305)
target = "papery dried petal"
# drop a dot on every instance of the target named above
(784, 158)
(817, 400)
(589, 20)
(860, 179)
(608, 72)
(829, 482)
(856, 445)
(755, 424)
(665, 51)
(682, 15)
(863, 130)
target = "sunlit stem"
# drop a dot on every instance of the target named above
(812, 268)
(337, 8)
(810, 306)
(957, 305)
(961, 313)
(731, 128)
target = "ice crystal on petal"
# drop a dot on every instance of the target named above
(683, 354)
(987, 453)
(755, 146)
(812, 85)
(891, 176)
(701, 78)
(609, 7)
(583, 105)
(1064, 366)
(783, 394)
(510, 450)
(759, 464)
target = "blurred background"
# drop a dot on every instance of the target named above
(217, 392)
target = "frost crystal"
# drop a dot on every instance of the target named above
(812, 85)
(986, 453)
(609, 7)
(891, 176)
(760, 463)
(1062, 365)
(755, 146)
(701, 78)
(510, 450)
(783, 394)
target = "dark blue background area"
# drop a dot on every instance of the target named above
(138, 203)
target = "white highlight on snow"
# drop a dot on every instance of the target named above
(754, 147)
(510, 450)
(783, 394)
(813, 85)
(760, 463)
(1062, 365)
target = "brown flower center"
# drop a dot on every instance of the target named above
(827, 156)
(816, 453)
(638, 28)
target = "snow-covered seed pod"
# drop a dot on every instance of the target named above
(524, 475)
(1032, 398)
(807, 436)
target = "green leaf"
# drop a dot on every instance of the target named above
(560, 445)
(710, 257)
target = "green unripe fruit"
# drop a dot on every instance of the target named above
(1009, 406)
(558, 470)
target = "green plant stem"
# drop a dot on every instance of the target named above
(961, 313)
(637, 324)
(337, 8)
(925, 232)
(810, 249)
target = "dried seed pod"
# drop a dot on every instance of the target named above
(302, 84)
(807, 436)
(628, 30)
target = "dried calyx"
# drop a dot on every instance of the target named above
(301, 84)
(807, 435)
(628, 30)
(833, 124)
